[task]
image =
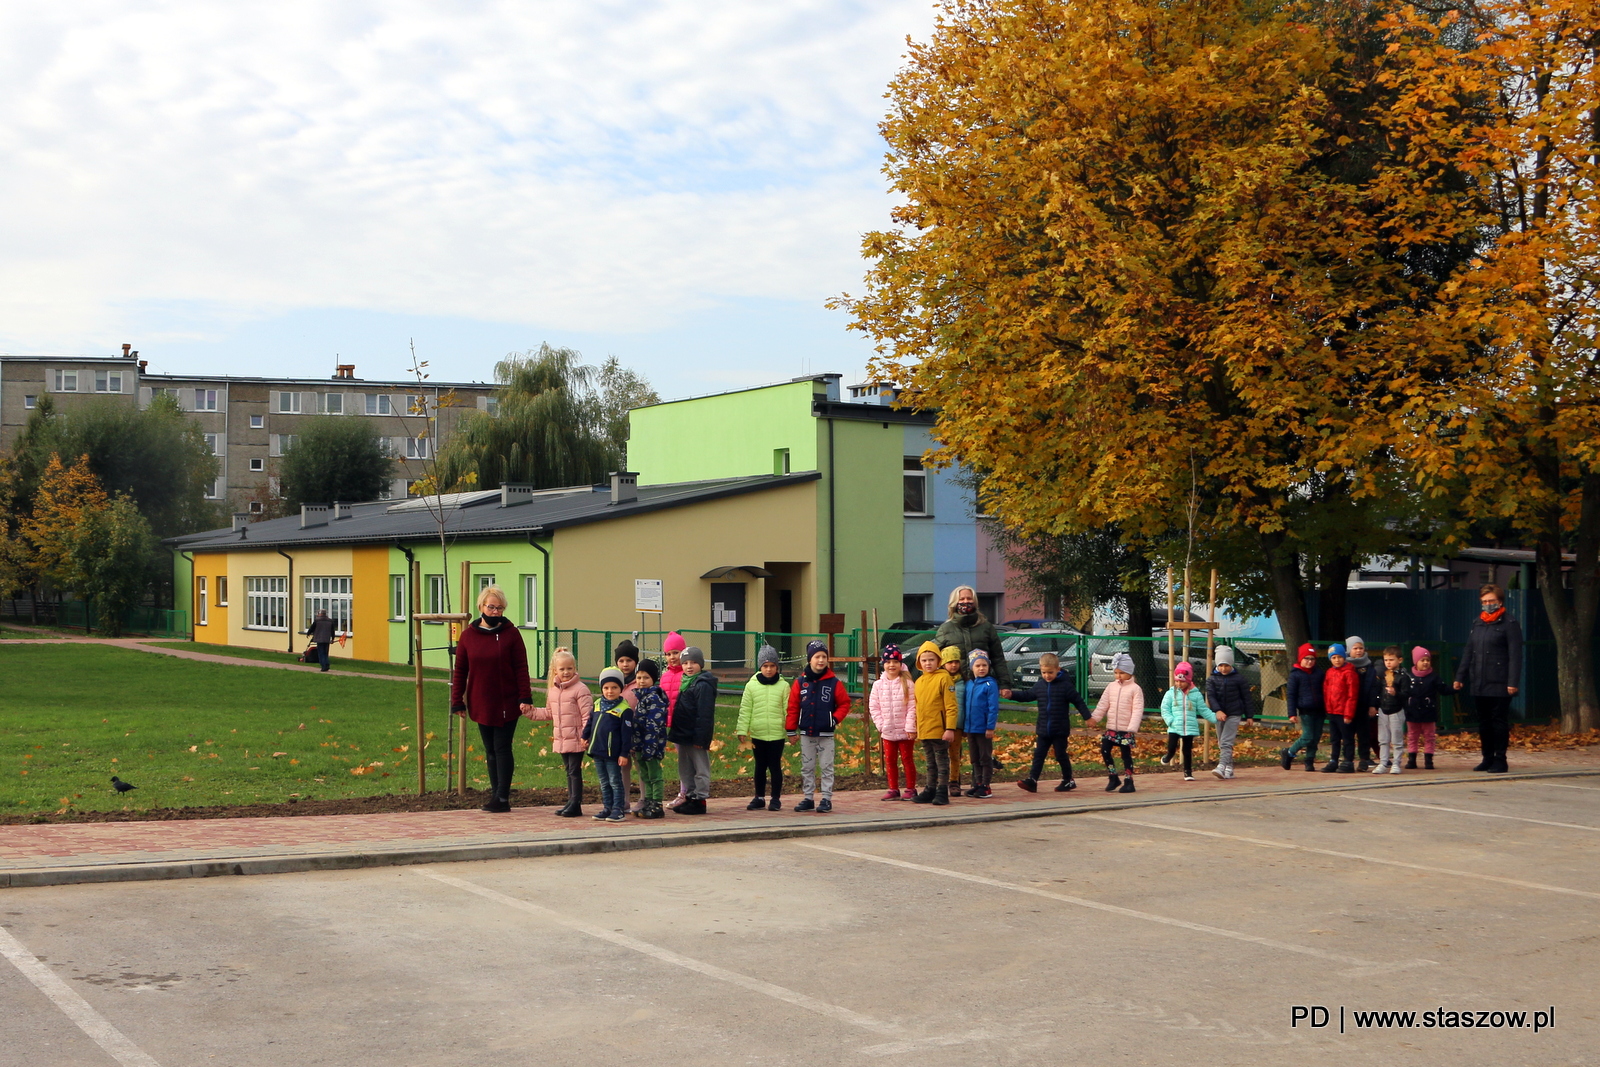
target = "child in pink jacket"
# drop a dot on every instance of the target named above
(568, 703)
(894, 713)
(671, 682)
(1122, 708)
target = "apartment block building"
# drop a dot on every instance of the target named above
(249, 422)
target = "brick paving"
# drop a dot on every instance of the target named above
(58, 853)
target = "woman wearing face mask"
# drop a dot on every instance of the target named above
(490, 685)
(1491, 672)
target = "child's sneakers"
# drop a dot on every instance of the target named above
(1029, 784)
(893, 794)
(805, 805)
(1166, 761)
(1187, 778)
(824, 806)
(1112, 782)
(908, 794)
(1220, 772)
(1067, 785)
(774, 804)
(756, 805)
(601, 816)
(1381, 768)
(1394, 768)
(617, 817)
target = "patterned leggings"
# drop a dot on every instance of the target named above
(1114, 741)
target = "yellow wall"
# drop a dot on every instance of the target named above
(596, 564)
(369, 603)
(210, 566)
(319, 562)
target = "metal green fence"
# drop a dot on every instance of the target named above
(82, 615)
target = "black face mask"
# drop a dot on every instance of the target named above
(966, 609)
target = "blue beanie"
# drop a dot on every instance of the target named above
(1337, 649)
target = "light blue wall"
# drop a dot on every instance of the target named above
(941, 551)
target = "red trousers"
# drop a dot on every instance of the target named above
(896, 753)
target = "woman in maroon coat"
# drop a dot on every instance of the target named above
(490, 684)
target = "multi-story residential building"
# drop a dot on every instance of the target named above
(248, 422)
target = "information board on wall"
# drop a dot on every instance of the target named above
(647, 594)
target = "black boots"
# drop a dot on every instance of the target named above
(941, 797)
(1427, 763)
(1332, 767)
(1411, 761)
(924, 797)
(1127, 785)
(573, 809)
(1112, 781)
(1286, 758)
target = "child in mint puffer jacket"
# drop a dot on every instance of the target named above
(1183, 707)
(980, 715)
(762, 711)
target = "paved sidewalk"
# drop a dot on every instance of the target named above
(56, 854)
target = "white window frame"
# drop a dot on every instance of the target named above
(485, 581)
(201, 616)
(66, 381)
(434, 604)
(281, 443)
(255, 507)
(258, 422)
(266, 601)
(530, 601)
(205, 400)
(288, 403)
(108, 381)
(214, 443)
(330, 593)
(258, 465)
(417, 447)
(331, 403)
(29, 402)
(222, 590)
(920, 473)
(399, 603)
(379, 404)
(213, 489)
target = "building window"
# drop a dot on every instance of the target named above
(333, 403)
(914, 607)
(258, 464)
(258, 422)
(989, 604)
(222, 590)
(916, 486)
(289, 403)
(281, 443)
(397, 597)
(214, 443)
(29, 401)
(416, 404)
(331, 595)
(378, 404)
(255, 507)
(416, 448)
(266, 600)
(200, 616)
(780, 461)
(435, 602)
(205, 400)
(485, 581)
(492, 406)
(213, 489)
(66, 381)
(530, 600)
(108, 381)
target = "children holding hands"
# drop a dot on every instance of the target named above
(568, 703)
(1121, 707)
(1057, 697)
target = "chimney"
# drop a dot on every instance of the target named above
(341, 511)
(313, 515)
(344, 370)
(125, 351)
(241, 519)
(512, 494)
(624, 487)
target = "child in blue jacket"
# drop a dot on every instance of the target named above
(1057, 698)
(980, 714)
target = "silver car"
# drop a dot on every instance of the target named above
(1102, 649)
(1024, 649)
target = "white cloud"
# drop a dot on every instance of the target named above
(597, 166)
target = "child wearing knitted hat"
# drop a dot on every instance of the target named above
(671, 681)
(762, 711)
(818, 703)
(894, 713)
(609, 736)
(950, 661)
(694, 721)
(980, 714)
(1422, 709)
(649, 737)
(1341, 698)
(1183, 707)
(1122, 709)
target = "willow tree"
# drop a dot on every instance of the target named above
(549, 427)
(1141, 249)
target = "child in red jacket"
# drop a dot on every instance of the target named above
(1341, 694)
(818, 703)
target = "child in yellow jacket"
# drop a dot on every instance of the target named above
(937, 719)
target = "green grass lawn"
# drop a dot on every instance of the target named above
(191, 734)
(335, 664)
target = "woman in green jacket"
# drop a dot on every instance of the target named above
(762, 711)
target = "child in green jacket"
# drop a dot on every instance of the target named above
(762, 711)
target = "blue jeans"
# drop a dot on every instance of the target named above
(613, 801)
(322, 654)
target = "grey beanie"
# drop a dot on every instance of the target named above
(1122, 662)
(767, 655)
(1225, 655)
(693, 655)
(611, 674)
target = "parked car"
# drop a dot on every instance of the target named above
(1024, 649)
(908, 634)
(1102, 649)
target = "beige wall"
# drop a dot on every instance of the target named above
(320, 562)
(595, 565)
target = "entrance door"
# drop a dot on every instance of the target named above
(727, 620)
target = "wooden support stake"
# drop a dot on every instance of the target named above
(416, 644)
(1172, 637)
(1211, 646)
(866, 691)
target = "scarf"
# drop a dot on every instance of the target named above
(811, 675)
(1493, 616)
(764, 680)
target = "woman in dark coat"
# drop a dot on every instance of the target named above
(490, 685)
(1491, 672)
(968, 628)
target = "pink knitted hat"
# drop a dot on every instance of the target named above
(674, 643)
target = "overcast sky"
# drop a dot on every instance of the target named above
(259, 188)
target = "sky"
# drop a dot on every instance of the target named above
(271, 188)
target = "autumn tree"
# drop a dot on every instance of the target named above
(66, 498)
(1142, 250)
(1507, 93)
(112, 554)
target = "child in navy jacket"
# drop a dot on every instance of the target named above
(1057, 698)
(609, 733)
(1304, 697)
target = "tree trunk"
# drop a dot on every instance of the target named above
(1572, 618)
(1140, 625)
(1333, 587)
(1288, 590)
